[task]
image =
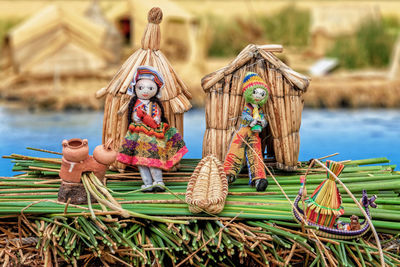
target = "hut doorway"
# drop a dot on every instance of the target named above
(267, 142)
(125, 26)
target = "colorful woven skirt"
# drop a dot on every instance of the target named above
(161, 148)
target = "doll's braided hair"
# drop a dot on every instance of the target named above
(154, 99)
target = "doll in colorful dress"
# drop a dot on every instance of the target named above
(246, 144)
(150, 143)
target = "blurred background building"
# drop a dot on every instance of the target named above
(58, 46)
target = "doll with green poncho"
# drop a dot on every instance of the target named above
(246, 144)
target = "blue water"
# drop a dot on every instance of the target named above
(355, 134)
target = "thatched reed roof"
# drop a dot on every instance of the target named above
(174, 91)
(251, 51)
(48, 19)
(57, 35)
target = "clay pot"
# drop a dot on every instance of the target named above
(104, 154)
(75, 150)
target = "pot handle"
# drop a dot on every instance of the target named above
(85, 142)
(107, 145)
(65, 143)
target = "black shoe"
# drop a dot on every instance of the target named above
(231, 178)
(261, 185)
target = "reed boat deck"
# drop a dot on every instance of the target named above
(254, 227)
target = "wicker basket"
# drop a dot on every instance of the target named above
(208, 187)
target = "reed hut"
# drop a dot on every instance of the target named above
(180, 28)
(57, 41)
(175, 94)
(224, 104)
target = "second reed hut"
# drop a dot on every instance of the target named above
(224, 105)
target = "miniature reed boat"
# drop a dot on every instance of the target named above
(323, 208)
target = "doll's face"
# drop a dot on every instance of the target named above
(259, 94)
(145, 89)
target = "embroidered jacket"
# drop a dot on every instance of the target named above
(247, 115)
(149, 107)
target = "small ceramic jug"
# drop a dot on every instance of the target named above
(104, 154)
(75, 150)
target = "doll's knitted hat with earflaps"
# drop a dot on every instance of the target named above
(146, 72)
(253, 80)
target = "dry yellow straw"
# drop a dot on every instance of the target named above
(378, 243)
(327, 196)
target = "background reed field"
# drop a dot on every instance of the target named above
(6, 24)
(290, 26)
(371, 46)
(224, 28)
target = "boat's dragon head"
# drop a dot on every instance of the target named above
(366, 202)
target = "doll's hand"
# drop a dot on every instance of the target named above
(263, 123)
(149, 121)
(136, 118)
(253, 123)
(140, 113)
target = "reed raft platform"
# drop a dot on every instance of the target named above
(254, 228)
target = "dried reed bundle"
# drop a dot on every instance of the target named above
(253, 229)
(324, 205)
